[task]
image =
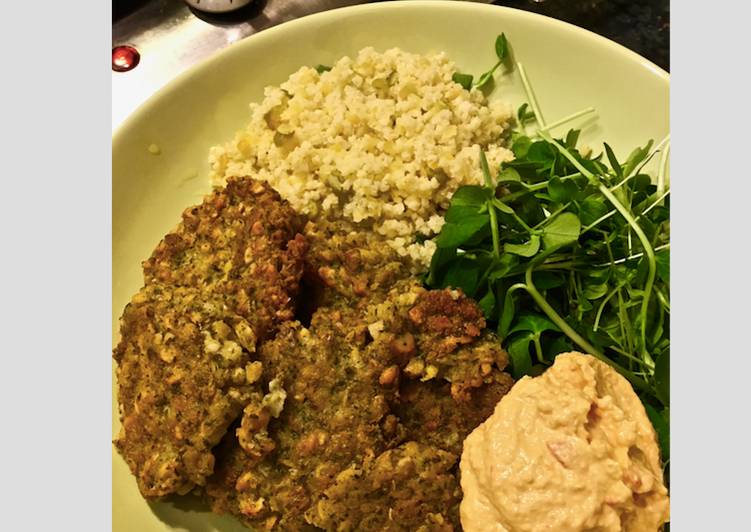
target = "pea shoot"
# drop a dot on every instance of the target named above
(501, 52)
(565, 250)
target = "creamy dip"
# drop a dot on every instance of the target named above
(570, 450)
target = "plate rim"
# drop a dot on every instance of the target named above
(238, 46)
(156, 99)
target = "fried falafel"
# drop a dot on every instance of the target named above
(220, 283)
(350, 409)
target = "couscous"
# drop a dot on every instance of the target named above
(381, 140)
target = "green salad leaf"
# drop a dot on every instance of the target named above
(465, 80)
(565, 250)
(502, 52)
(528, 249)
(501, 47)
(562, 230)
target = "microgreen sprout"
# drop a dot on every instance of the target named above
(567, 250)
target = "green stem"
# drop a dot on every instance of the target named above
(633, 174)
(628, 239)
(548, 219)
(566, 265)
(626, 355)
(538, 348)
(514, 287)
(654, 204)
(533, 188)
(490, 73)
(494, 230)
(484, 276)
(622, 314)
(663, 142)
(651, 263)
(506, 209)
(665, 303)
(491, 208)
(486, 171)
(560, 265)
(569, 118)
(623, 317)
(598, 221)
(631, 257)
(571, 333)
(638, 170)
(636, 228)
(659, 329)
(602, 306)
(519, 220)
(531, 96)
(663, 168)
(521, 193)
(573, 160)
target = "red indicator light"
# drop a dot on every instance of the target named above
(124, 58)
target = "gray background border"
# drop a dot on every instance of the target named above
(710, 288)
(55, 258)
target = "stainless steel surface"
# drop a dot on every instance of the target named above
(217, 6)
(171, 39)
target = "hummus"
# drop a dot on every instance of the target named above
(570, 450)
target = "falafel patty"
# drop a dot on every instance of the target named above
(243, 244)
(321, 462)
(347, 265)
(354, 422)
(273, 469)
(182, 380)
(223, 281)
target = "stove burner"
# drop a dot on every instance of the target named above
(124, 58)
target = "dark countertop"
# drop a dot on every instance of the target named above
(640, 25)
(149, 25)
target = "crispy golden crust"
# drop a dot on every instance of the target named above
(241, 243)
(449, 317)
(349, 263)
(407, 488)
(221, 282)
(354, 422)
(331, 419)
(182, 380)
(437, 334)
(429, 415)
(351, 412)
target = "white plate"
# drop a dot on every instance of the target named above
(570, 69)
